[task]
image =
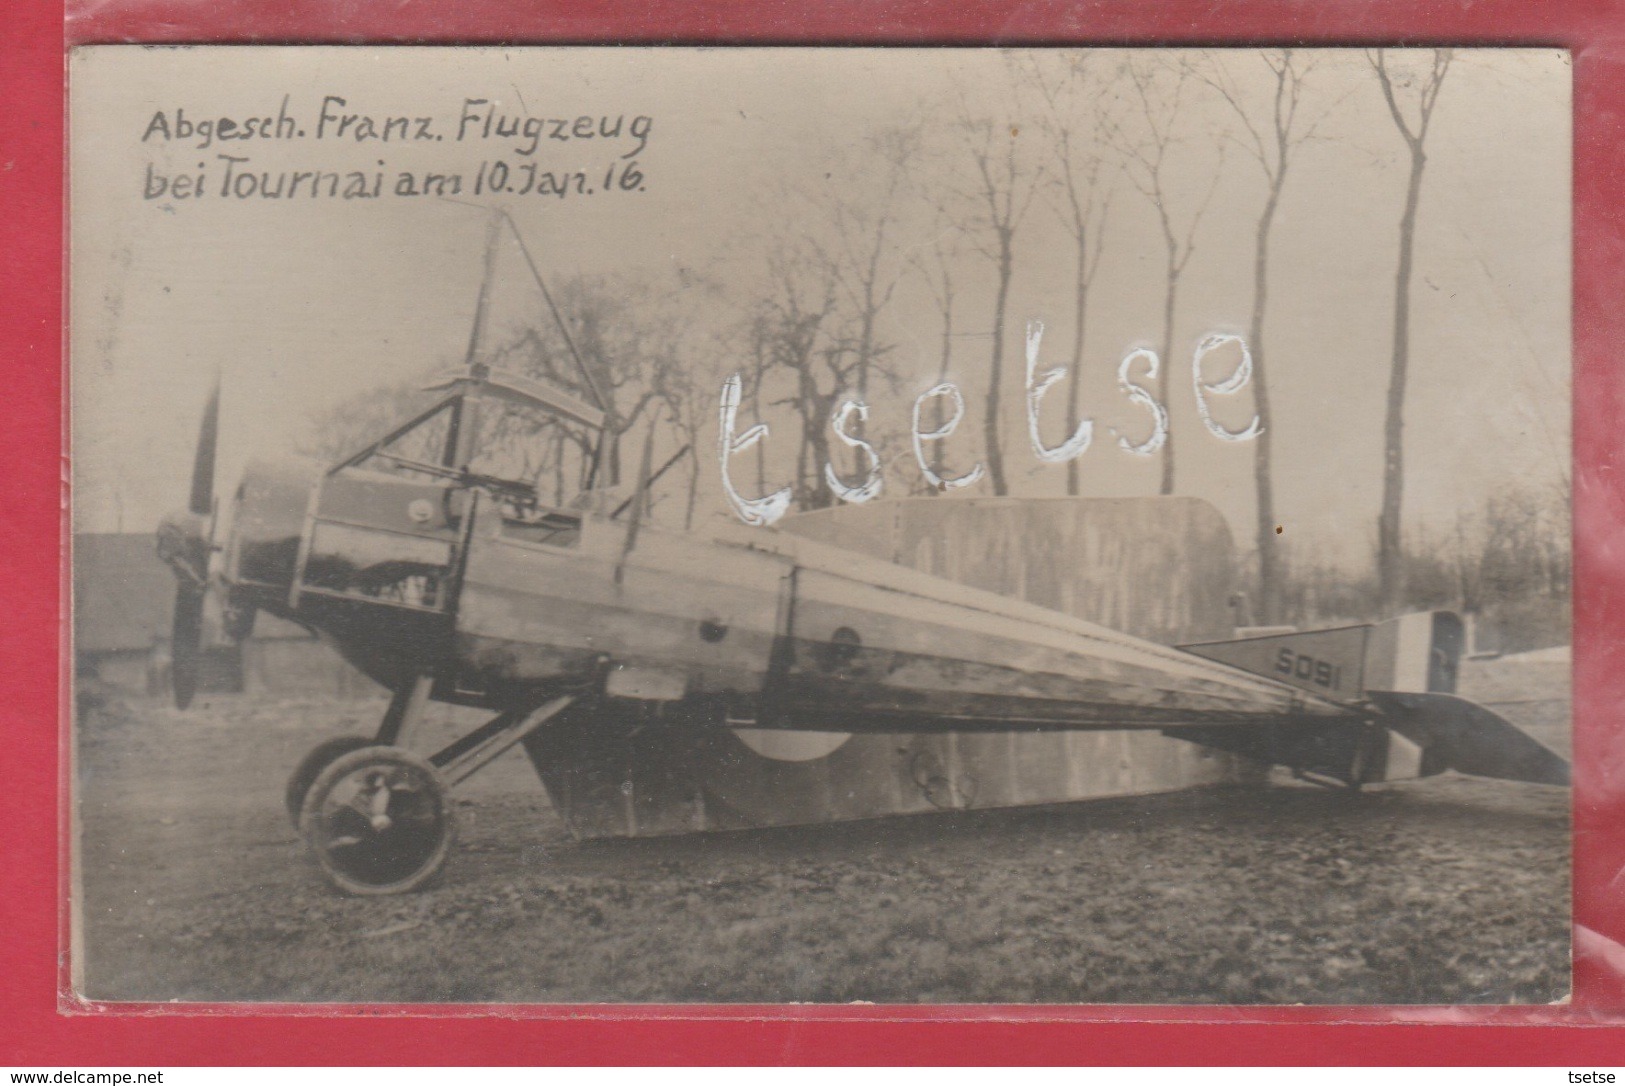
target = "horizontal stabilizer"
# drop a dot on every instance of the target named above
(1462, 735)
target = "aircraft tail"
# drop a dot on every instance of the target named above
(1402, 674)
(1415, 653)
(1454, 733)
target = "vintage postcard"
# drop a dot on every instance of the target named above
(585, 525)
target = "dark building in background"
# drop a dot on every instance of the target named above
(123, 599)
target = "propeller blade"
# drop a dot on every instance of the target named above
(186, 642)
(202, 501)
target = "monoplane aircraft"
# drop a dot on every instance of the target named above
(589, 632)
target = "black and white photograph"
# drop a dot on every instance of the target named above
(662, 525)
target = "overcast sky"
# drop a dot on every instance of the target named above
(302, 302)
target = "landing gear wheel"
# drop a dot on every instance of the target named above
(379, 820)
(311, 768)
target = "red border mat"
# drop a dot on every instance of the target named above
(31, 526)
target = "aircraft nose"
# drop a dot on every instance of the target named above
(183, 545)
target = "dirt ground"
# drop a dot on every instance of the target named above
(195, 887)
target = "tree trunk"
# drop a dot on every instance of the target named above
(1390, 571)
(939, 411)
(854, 460)
(1269, 542)
(816, 454)
(803, 495)
(990, 422)
(1168, 302)
(1080, 315)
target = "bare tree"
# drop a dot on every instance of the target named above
(1159, 90)
(686, 381)
(1269, 134)
(864, 254)
(792, 329)
(815, 328)
(757, 332)
(612, 338)
(1068, 93)
(689, 403)
(937, 271)
(343, 428)
(616, 330)
(1424, 87)
(1001, 187)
